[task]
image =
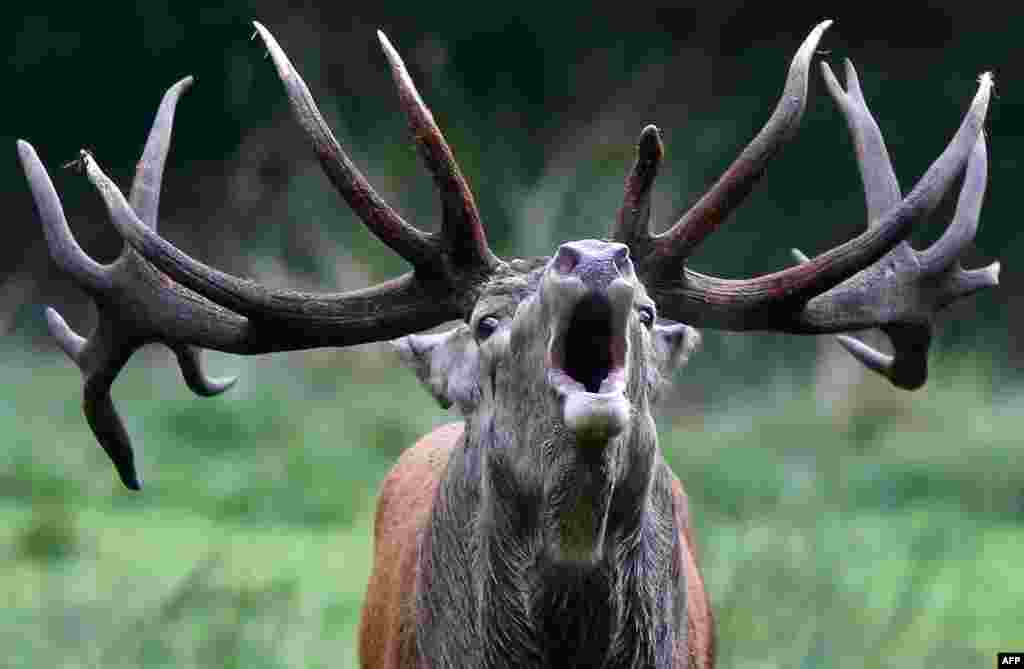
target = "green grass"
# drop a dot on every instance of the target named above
(882, 533)
(171, 588)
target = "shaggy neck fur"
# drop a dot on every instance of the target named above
(496, 590)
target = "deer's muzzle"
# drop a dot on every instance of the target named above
(589, 294)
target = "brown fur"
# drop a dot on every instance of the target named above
(387, 630)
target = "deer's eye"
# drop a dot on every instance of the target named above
(647, 316)
(485, 327)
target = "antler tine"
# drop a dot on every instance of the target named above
(633, 224)
(967, 282)
(108, 352)
(678, 242)
(149, 174)
(869, 356)
(947, 249)
(191, 365)
(907, 368)
(64, 249)
(881, 188)
(461, 228)
(100, 359)
(69, 341)
(881, 192)
(145, 200)
(942, 258)
(404, 239)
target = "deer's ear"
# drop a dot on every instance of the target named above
(673, 344)
(446, 363)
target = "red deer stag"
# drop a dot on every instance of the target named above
(545, 529)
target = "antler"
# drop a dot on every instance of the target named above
(462, 240)
(849, 287)
(916, 284)
(666, 253)
(138, 304)
(448, 267)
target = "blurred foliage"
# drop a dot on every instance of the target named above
(823, 545)
(49, 535)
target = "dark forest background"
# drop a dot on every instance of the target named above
(542, 105)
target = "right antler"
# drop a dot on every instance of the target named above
(873, 280)
(927, 281)
(139, 304)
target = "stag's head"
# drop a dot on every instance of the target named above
(555, 369)
(555, 362)
(568, 346)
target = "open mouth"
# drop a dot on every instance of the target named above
(588, 349)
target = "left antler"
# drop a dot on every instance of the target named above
(873, 280)
(137, 305)
(201, 306)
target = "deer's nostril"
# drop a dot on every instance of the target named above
(567, 259)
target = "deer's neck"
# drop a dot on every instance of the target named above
(494, 593)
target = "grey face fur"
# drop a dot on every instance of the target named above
(556, 369)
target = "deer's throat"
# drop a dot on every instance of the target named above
(579, 506)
